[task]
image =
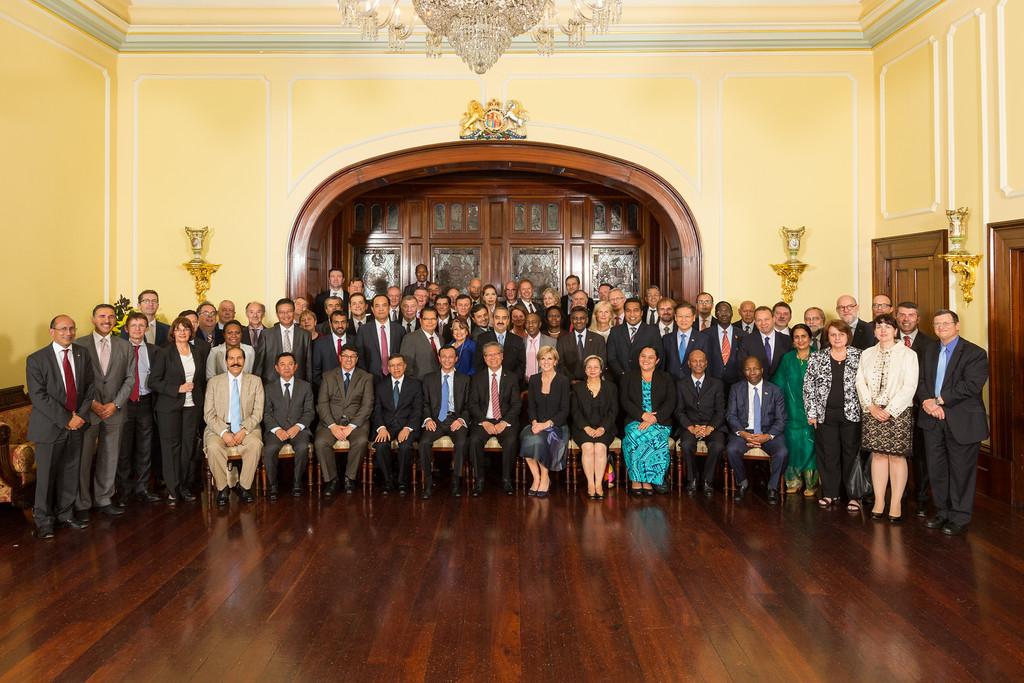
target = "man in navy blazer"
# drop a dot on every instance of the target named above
(60, 386)
(326, 350)
(766, 343)
(370, 341)
(750, 430)
(684, 338)
(725, 367)
(396, 421)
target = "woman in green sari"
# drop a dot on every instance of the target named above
(802, 471)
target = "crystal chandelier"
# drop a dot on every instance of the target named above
(480, 31)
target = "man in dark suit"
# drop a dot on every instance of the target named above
(908, 319)
(766, 344)
(422, 280)
(626, 340)
(445, 393)
(207, 328)
(135, 459)
(700, 414)
(814, 318)
(954, 421)
(572, 285)
(113, 374)
(578, 344)
(512, 345)
(881, 304)
(753, 428)
(285, 337)
(375, 349)
(252, 334)
(60, 386)
(287, 416)
(494, 405)
(721, 342)
(420, 348)
(746, 322)
(157, 332)
(335, 287)
(397, 411)
(677, 345)
(326, 350)
(652, 296)
(445, 316)
(847, 309)
(344, 406)
(331, 304)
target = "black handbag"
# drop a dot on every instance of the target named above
(858, 484)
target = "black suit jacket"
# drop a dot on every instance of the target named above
(167, 374)
(565, 306)
(407, 413)
(569, 361)
(706, 409)
(623, 356)
(864, 335)
(773, 409)
(369, 345)
(738, 326)
(280, 413)
(432, 397)
(509, 399)
(962, 386)
(753, 345)
(324, 355)
(272, 343)
(321, 299)
(45, 381)
(670, 351)
(663, 396)
(514, 361)
(730, 372)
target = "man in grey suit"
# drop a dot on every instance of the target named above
(420, 347)
(60, 386)
(344, 407)
(113, 371)
(287, 416)
(283, 337)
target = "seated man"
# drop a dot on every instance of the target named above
(398, 405)
(445, 393)
(234, 409)
(494, 405)
(700, 412)
(756, 417)
(286, 418)
(344, 407)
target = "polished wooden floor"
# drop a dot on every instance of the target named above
(497, 588)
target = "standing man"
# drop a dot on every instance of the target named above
(847, 308)
(746, 322)
(954, 421)
(908, 317)
(207, 330)
(135, 459)
(335, 287)
(652, 296)
(572, 285)
(344, 406)
(156, 332)
(757, 419)
(685, 337)
(443, 306)
(112, 361)
(410, 314)
(395, 300)
(326, 350)
(331, 304)
(494, 405)
(511, 293)
(579, 343)
(253, 333)
(625, 341)
(814, 318)
(617, 298)
(287, 415)
(285, 337)
(357, 315)
(666, 316)
(782, 313)
(721, 343)
(380, 340)
(475, 289)
(422, 280)
(397, 411)
(225, 314)
(60, 386)
(766, 343)
(705, 306)
(445, 393)
(881, 304)
(419, 348)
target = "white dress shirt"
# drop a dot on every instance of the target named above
(58, 350)
(750, 403)
(291, 390)
(496, 374)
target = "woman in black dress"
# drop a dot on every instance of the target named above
(544, 440)
(595, 407)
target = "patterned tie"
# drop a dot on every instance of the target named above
(768, 349)
(683, 338)
(726, 347)
(134, 398)
(757, 411)
(348, 376)
(383, 350)
(443, 413)
(531, 358)
(235, 407)
(288, 341)
(104, 355)
(906, 340)
(632, 334)
(697, 385)
(71, 400)
(495, 401)
(501, 339)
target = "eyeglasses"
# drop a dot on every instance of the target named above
(149, 301)
(847, 307)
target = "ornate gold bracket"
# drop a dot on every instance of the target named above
(789, 273)
(965, 267)
(200, 270)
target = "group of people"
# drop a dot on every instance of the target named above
(340, 373)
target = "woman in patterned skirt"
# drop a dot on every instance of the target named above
(886, 384)
(648, 401)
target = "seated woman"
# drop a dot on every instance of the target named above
(543, 441)
(801, 469)
(886, 384)
(648, 400)
(464, 347)
(553, 320)
(594, 408)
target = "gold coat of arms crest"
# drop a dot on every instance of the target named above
(495, 121)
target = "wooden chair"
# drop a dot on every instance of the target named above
(234, 456)
(754, 455)
(366, 468)
(443, 445)
(287, 452)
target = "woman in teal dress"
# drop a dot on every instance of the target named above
(648, 398)
(802, 471)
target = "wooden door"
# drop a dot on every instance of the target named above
(910, 268)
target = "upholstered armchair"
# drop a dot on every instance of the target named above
(17, 454)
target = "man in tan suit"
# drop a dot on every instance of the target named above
(234, 409)
(344, 407)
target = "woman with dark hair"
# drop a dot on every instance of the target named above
(489, 297)
(801, 470)
(178, 380)
(553, 321)
(833, 410)
(648, 399)
(464, 346)
(595, 408)
(886, 384)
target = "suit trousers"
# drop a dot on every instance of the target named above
(217, 455)
(427, 439)
(177, 444)
(273, 445)
(323, 444)
(134, 460)
(952, 472)
(715, 443)
(57, 478)
(837, 451)
(777, 453)
(478, 438)
(920, 467)
(100, 442)
(383, 457)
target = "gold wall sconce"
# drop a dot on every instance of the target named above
(790, 271)
(962, 264)
(200, 270)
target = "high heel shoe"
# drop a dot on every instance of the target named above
(877, 515)
(895, 520)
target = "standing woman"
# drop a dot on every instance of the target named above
(543, 441)
(595, 408)
(307, 321)
(490, 299)
(648, 401)
(553, 320)
(602, 322)
(833, 409)
(179, 405)
(464, 347)
(518, 315)
(802, 470)
(886, 384)
(549, 297)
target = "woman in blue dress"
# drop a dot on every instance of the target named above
(648, 400)
(464, 347)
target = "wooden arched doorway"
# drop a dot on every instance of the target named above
(581, 187)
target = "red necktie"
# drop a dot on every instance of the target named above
(134, 398)
(906, 340)
(495, 400)
(71, 402)
(433, 344)
(726, 348)
(339, 350)
(383, 351)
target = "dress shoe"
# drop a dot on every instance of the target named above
(331, 487)
(922, 511)
(73, 523)
(147, 497)
(44, 532)
(773, 497)
(186, 495)
(936, 522)
(509, 490)
(741, 491)
(403, 489)
(456, 491)
(82, 515)
(954, 529)
(172, 499)
(245, 494)
(296, 492)
(708, 490)
(350, 485)
(426, 493)
(691, 487)
(112, 510)
(223, 497)
(660, 489)
(478, 490)
(272, 494)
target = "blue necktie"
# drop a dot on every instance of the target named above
(395, 394)
(501, 339)
(940, 374)
(757, 411)
(682, 347)
(347, 377)
(768, 349)
(235, 407)
(443, 413)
